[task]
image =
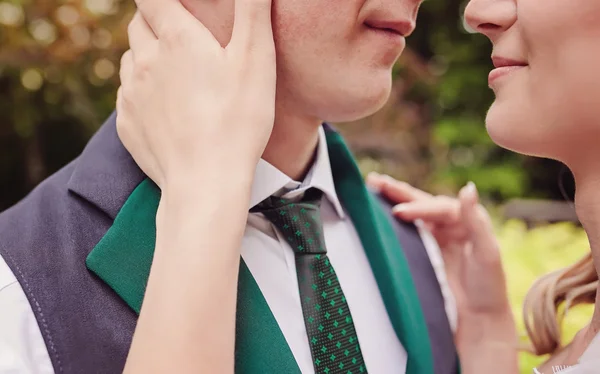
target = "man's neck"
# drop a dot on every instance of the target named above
(292, 145)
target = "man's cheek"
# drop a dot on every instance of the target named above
(309, 18)
(216, 16)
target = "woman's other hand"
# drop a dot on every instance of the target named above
(473, 265)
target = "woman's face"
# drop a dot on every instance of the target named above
(547, 85)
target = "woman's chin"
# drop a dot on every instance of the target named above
(509, 133)
(517, 136)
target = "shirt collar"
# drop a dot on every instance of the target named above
(269, 180)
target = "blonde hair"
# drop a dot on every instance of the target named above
(551, 297)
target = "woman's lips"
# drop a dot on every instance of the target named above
(503, 67)
(502, 71)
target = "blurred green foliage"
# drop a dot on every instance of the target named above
(530, 253)
(461, 61)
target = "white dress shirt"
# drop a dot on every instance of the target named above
(272, 264)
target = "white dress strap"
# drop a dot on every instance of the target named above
(593, 350)
(590, 360)
(559, 370)
(588, 363)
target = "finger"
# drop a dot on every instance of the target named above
(126, 70)
(374, 180)
(119, 104)
(397, 191)
(445, 234)
(252, 26)
(124, 131)
(132, 138)
(437, 210)
(485, 245)
(164, 15)
(140, 34)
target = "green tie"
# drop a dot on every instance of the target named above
(331, 333)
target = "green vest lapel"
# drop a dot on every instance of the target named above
(123, 258)
(385, 256)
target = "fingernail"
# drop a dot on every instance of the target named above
(471, 187)
(373, 182)
(470, 191)
(400, 208)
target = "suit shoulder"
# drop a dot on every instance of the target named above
(50, 216)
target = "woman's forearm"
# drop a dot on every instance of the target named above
(488, 345)
(187, 320)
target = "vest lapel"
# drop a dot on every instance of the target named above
(123, 258)
(385, 256)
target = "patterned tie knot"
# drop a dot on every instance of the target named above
(299, 221)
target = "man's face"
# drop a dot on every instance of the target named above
(334, 57)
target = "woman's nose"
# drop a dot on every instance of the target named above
(491, 17)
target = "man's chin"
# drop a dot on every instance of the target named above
(357, 108)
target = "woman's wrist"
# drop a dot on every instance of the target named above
(480, 327)
(488, 342)
(213, 209)
(212, 175)
(207, 187)
(487, 331)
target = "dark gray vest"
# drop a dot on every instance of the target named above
(87, 328)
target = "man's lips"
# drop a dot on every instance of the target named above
(386, 32)
(392, 36)
(396, 26)
(504, 66)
